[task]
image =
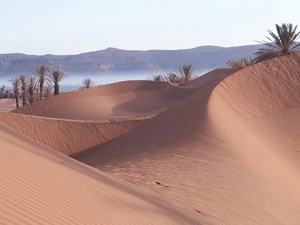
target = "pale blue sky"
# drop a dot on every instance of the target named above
(76, 26)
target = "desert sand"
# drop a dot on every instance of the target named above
(220, 149)
(7, 105)
(41, 186)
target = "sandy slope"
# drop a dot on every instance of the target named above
(41, 186)
(224, 148)
(230, 150)
(7, 105)
(71, 137)
(126, 105)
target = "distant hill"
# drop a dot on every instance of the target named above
(117, 60)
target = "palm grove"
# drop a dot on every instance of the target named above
(44, 83)
(35, 87)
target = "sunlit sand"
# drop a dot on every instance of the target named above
(220, 149)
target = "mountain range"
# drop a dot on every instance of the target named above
(117, 60)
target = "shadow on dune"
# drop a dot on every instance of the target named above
(170, 128)
(148, 100)
(227, 149)
(39, 172)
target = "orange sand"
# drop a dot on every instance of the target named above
(7, 105)
(221, 149)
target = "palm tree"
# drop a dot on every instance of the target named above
(41, 72)
(32, 86)
(56, 76)
(87, 82)
(2, 91)
(237, 65)
(157, 78)
(186, 72)
(23, 80)
(282, 43)
(7, 93)
(48, 89)
(172, 78)
(16, 83)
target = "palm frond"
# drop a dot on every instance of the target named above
(159, 77)
(56, 76)
(187, 72)
(88, 83)
(284, 42)
(237, 65)
(40, 72)
(172, 78)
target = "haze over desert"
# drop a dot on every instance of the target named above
(219, 149)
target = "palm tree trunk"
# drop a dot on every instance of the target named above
(24, 97)
(30, 95)
(56, 89)
(41, 90)
(31, 100)
(17, 99)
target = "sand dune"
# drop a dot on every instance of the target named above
(41, 186)
(263, 88)
(230, 150)
(71, 137)
(119, 100)
(173, 125)
(222, 149)
(133, 103)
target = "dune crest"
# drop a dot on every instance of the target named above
(118, 100)
(228, 150)
(263, 88)
(74, 138)
(133, 103)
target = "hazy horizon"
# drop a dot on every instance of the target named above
(72, 27)
(74, 81)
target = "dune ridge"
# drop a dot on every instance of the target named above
(118, 100)
(135, 101)
(275, 83)
(41, 186)
(74, 138)
(230, 149)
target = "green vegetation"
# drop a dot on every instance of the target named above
(157, 78)
(23, 87)
(284, 42)
(88, 83)
(32, 87)
(186, 73)
(172, 78)
(2, 91)
(182, 74)
(8, 94)
(48, 89)
(237, 65)
(56, 76)
(40, 72)
(16, 84)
